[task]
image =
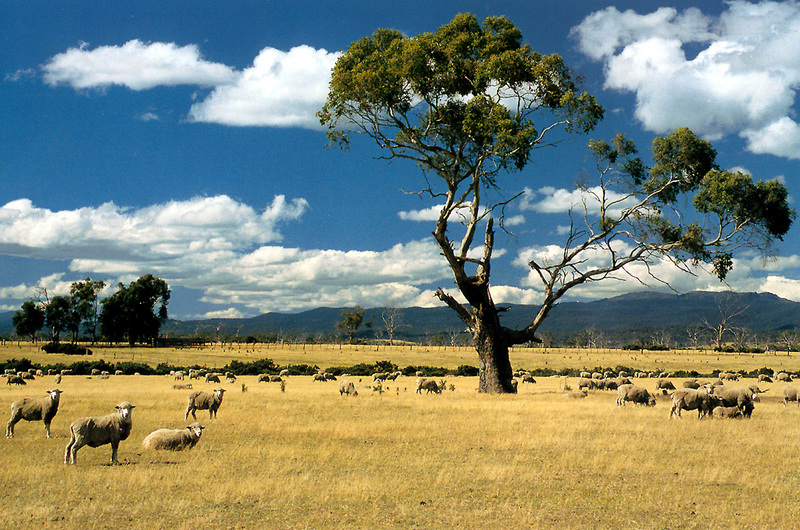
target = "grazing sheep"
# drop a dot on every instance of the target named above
(741, 397)
(790, 393)
(198, 400)
(263, 378)
(764, 378)
(694, 384)
(623, 380)
(528, 379)
(347, 387)
(379, 376)
(212, 378)
(182, 386)
(174, 439)
(319, 377)
(27, 375)
(726, 412)
(664, 384)
(179, 375)
(58, 379)
(32, 409)
(275, 379)
(634, 394)
(608, 384)
(15, 379)
(700, 400)
(578, 394)
(329, 377)
(429, 385)
(728, 376)
(284, 372)
(783, 377)
(586, 375)
(756, 391)
(100, 430)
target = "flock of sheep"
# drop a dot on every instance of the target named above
(708, 398)
(712, 399)
(114, 428)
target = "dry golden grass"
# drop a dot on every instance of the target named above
(308, 458)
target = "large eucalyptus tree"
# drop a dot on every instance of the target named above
(469, 103)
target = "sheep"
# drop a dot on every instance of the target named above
(347, 387)
(790, 393)
(664, 384)
(230, 378)
(15, 379)
(741, 397)
(263, 378)
(182, 386)
(528, 379)
(726, 412)
(429, 385)
(27, 375)
(174, 439)
(783, 377)
(379, 376)
(634, 394)
(393, 376)
(179, 375)
(329, 377)
(100, 430)
(58, 379)
(284, 372)
(198, 400)
(319, 377)
(764, 378)
(693, 399)
(275, 379)
(212, 378)
(31, 409)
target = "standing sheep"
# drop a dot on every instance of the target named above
(198, 400)
(100, 430)
(347, 387)
(790, 393)
(174, 439)
(634, 394)
(31, 409)
(429, 385)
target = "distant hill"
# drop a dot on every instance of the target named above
(765, 312)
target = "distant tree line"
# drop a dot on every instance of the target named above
(133, 313)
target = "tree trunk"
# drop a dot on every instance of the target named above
(495, 372)
(491, 344)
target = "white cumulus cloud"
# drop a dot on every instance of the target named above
(281, 89)
(743, 80)
(136, 65)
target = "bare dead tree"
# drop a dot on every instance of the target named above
(728, 308)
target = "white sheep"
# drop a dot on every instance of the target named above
(32, 409)
(174, 439)
(100, 430)
(198, 400)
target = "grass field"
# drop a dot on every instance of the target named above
(308, 458)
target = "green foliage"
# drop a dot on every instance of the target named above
(259, 366)
(302, 369)
(466, 370)
(67, 349)
(29, 320)
(130, 368)
(385, 366)
(351, 321)
(136, 311)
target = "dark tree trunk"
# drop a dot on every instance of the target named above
(495, 372)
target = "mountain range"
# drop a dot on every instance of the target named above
(760, 312)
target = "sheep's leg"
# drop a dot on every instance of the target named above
(47, 429)
(114, 446)
(71, 452)
(10, 428)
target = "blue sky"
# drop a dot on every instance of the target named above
(179, 139)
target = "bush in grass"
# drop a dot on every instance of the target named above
(133, 368)
(21, 365)
(302, 369)
(66, 349)
(86, 367)
(466, 370)
(259, 366)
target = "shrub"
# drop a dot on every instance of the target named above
(259, 366)
(466, 371)
(66, 349)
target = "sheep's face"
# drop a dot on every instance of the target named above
(196, 429)
(125, 409)
(54, 394)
